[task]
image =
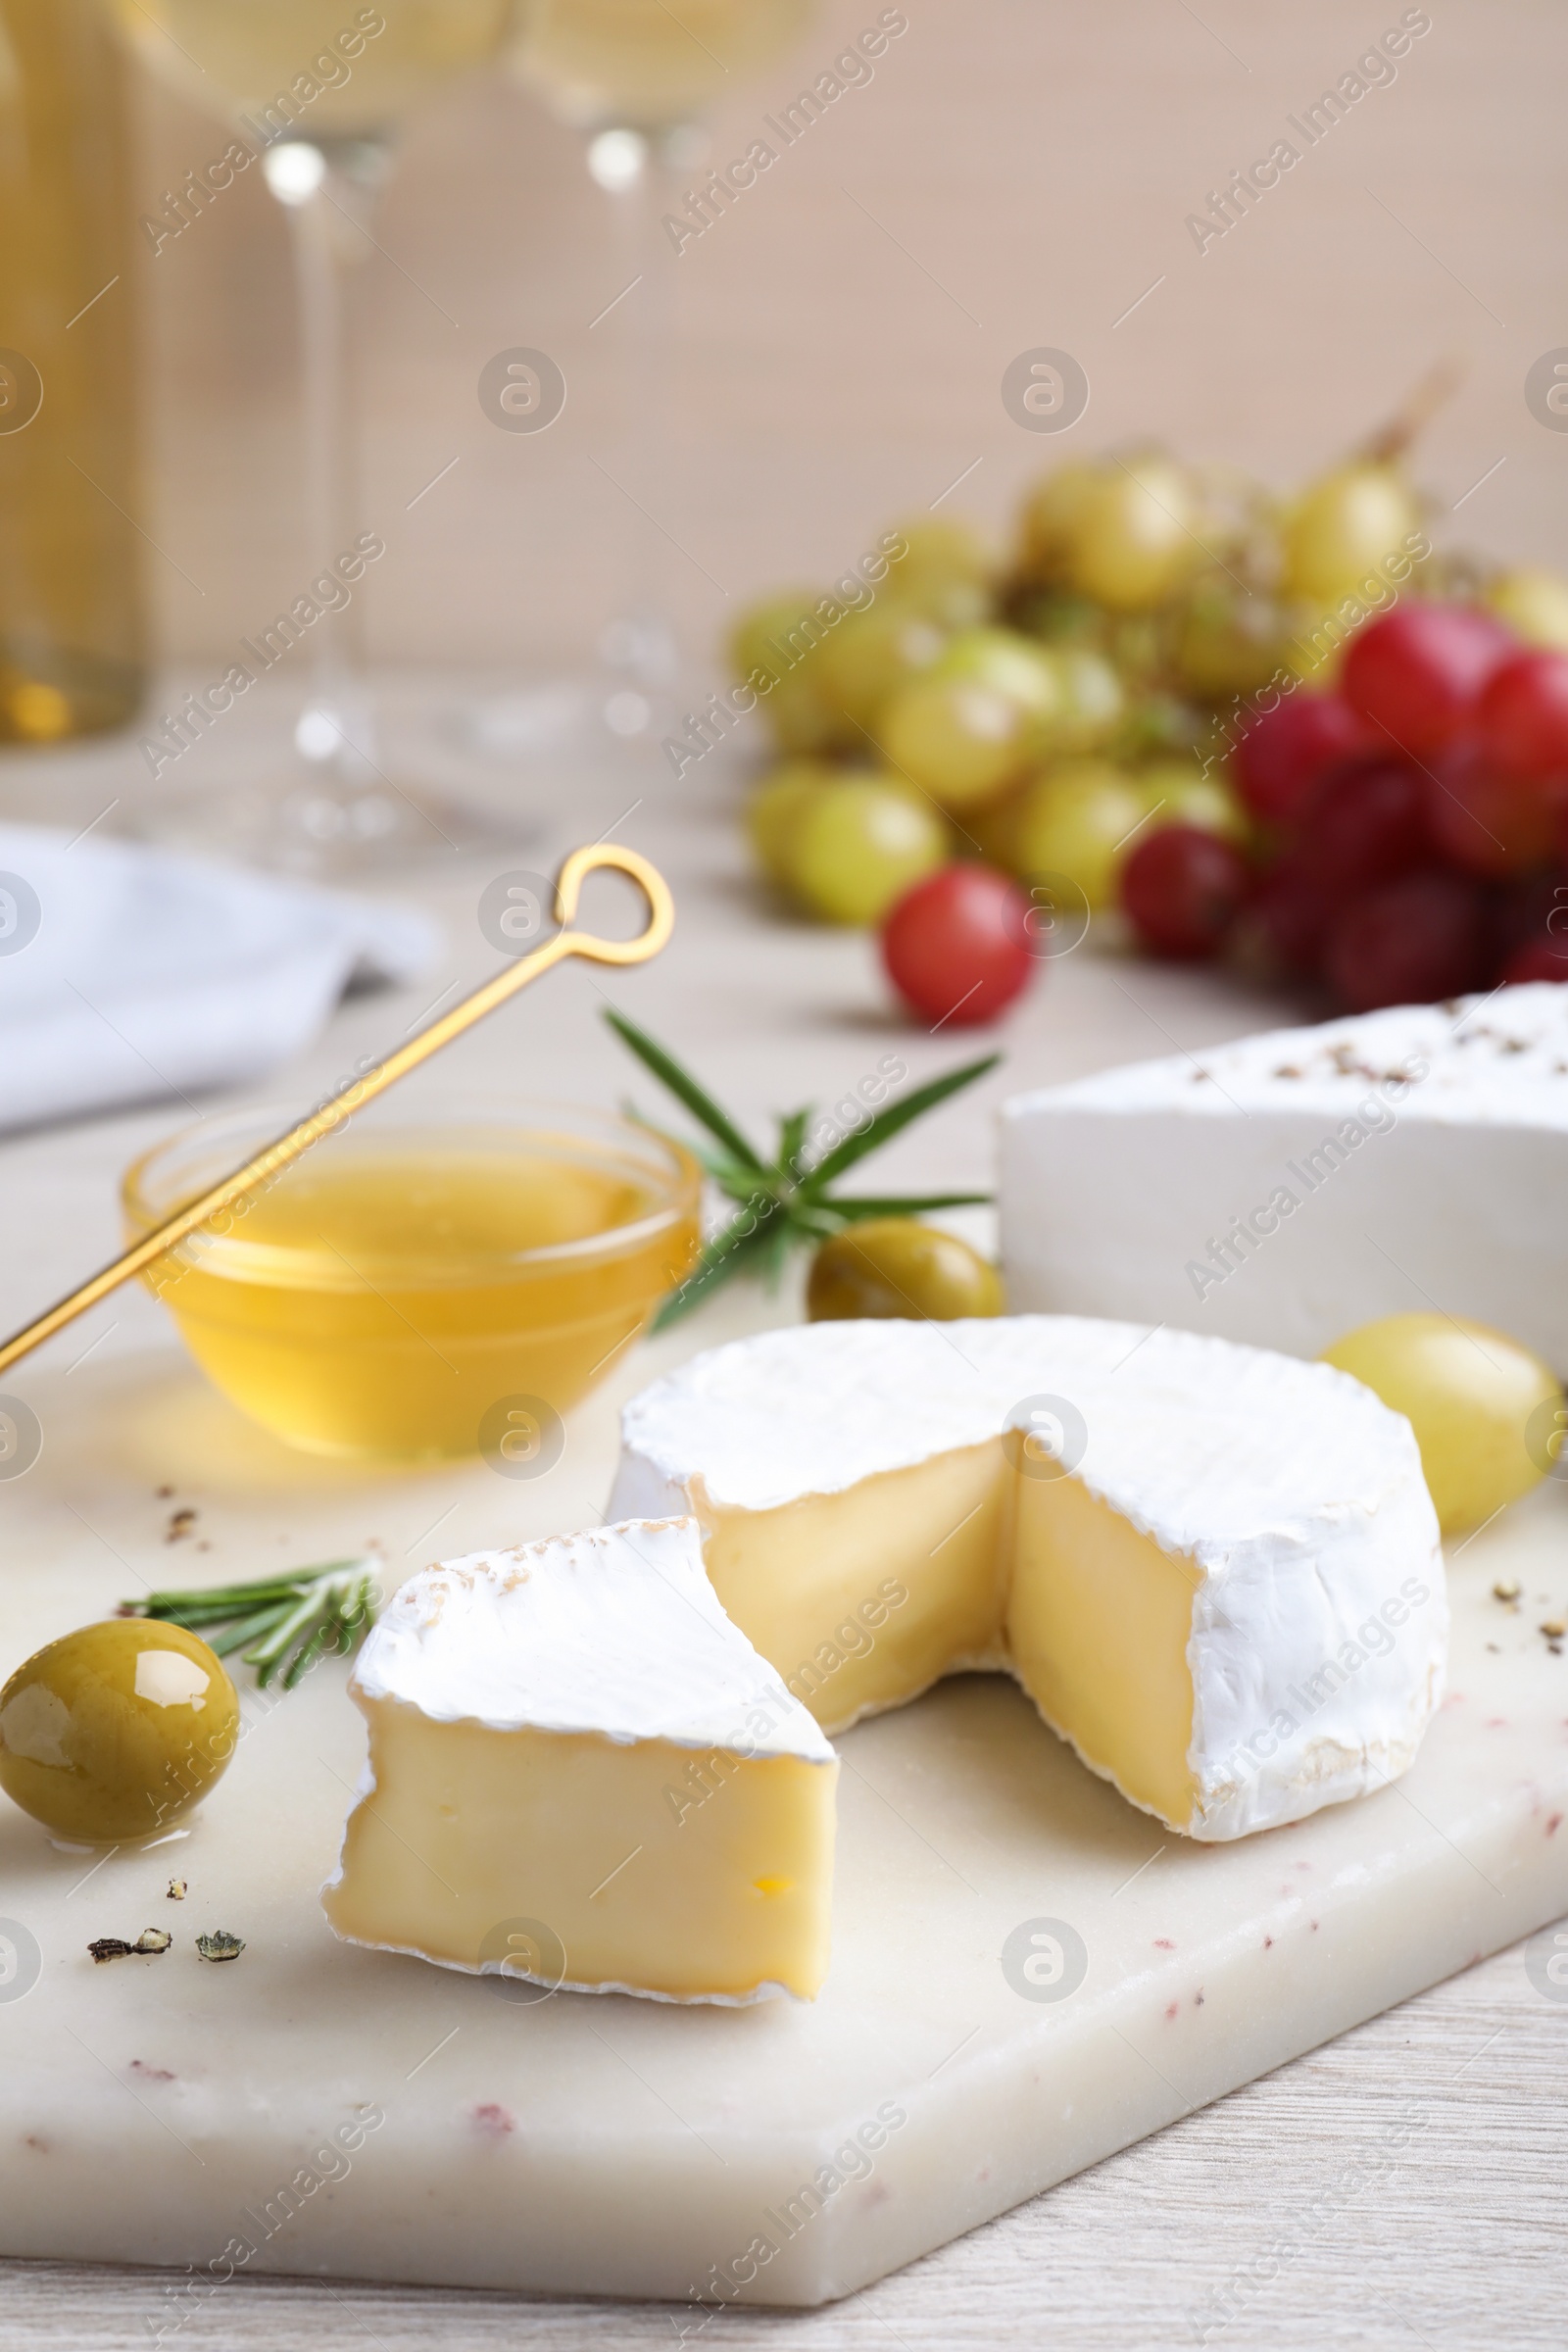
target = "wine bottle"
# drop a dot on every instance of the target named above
(70, 592)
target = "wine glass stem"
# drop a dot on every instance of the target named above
(649, 340)
(327, 470)
(650, 326)
(326, 195)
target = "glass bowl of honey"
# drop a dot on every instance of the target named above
(423, 1281)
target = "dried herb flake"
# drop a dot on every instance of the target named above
(220, 1946)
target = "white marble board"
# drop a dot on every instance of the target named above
(170, 2112)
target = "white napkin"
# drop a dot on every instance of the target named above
(128, 973)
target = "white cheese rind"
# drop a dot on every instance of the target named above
(1421, 1152)
(615, 1632)
(1296, 1494)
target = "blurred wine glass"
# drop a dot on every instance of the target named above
(643, 64)
(637, 77)
(319, 89)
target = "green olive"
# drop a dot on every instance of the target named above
(114, 1732)
(891, 1266)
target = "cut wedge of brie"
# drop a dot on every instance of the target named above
(582, 1774)
(1292, 1184)
(1215, 1571)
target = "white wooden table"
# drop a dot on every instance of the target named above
(1283, 2216)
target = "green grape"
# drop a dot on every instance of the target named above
(961, 740)
(1159, 723)
(1534, 604)
(1141, 645)
(873, 652)
(1470, 1394)
(1078, 819)
(991, 829)
(1314, 645)
(953, 603)
(1343, 527)
(1093, 705)
(1055, 617)
(859, 846)
(1049, 519)
(1178, 792)
(1008, 663)
(781, 641)
(1229, 643)
(802, 719)
(938, 555)
(776, 808)
(890, 779)
(1135, 537)
(759, 640)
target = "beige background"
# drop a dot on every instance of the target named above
(1030, 164)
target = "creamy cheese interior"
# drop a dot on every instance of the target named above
(695, 1874)
(1099, 1618)
(862, 1599)
(984, 1556)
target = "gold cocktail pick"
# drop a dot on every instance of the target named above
(601, 857)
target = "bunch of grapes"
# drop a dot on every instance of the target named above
(1413, 824)
(1224, 724)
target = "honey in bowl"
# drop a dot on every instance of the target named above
(417, 1278)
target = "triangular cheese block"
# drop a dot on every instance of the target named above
(1286, 1188)
(581, 1774)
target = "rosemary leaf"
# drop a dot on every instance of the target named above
(267, 1654)
(886, 1123)
(896, 1205)
(736, 1185)
(247, 1629)
(792, 1135)
(311, 1651)
(686, 1090)
(222, 1601)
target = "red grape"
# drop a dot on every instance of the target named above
(1289, 916)
(1408, 942)
(1282, 752)
(1522, 719)
(1364, 824)
(956, 946)
(1416, 674)
(1484, 822)
(1542, 960)
(1182, 889)
(1529, 918)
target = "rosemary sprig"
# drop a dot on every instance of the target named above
(280, 1623)
(784, 1203)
